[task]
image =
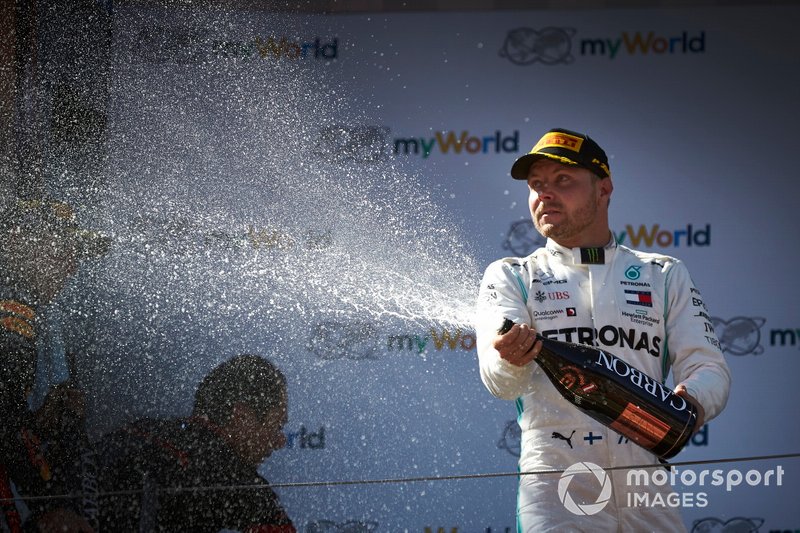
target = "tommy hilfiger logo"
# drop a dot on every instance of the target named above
(643, 298)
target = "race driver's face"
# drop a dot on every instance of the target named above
(255, 435)
(569, 204)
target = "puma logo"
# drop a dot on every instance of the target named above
(557, 435)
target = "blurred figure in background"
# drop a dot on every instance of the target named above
(40, 452)
(201, 473)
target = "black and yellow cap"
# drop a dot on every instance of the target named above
(566, 147)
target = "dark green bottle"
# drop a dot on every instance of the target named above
(617, 395)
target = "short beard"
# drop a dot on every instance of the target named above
(576, 223)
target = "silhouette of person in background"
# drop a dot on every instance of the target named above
(201, 473)
(40, 249)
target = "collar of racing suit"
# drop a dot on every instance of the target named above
(583, 256)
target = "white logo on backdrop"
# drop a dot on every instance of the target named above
(550, 46)
(589, 508)
(740, 335)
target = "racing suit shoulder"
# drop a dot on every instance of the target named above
(502, 294)
(663, 260)
(516, 269)
(693, 349)
(519, 264)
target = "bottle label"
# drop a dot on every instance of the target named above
(640, 426)
(572, 378)
(642, 381)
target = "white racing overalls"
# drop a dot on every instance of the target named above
(641, 307)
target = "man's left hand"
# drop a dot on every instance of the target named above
(681, 391)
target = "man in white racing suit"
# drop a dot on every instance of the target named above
(583, 287)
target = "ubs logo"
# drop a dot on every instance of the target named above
(522, 238)
(550, 46)
(740, 335)
(541, 296)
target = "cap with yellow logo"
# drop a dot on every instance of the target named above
(566, 147)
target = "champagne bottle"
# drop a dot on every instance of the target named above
(617, 395)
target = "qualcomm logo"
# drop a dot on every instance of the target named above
(585, 508)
